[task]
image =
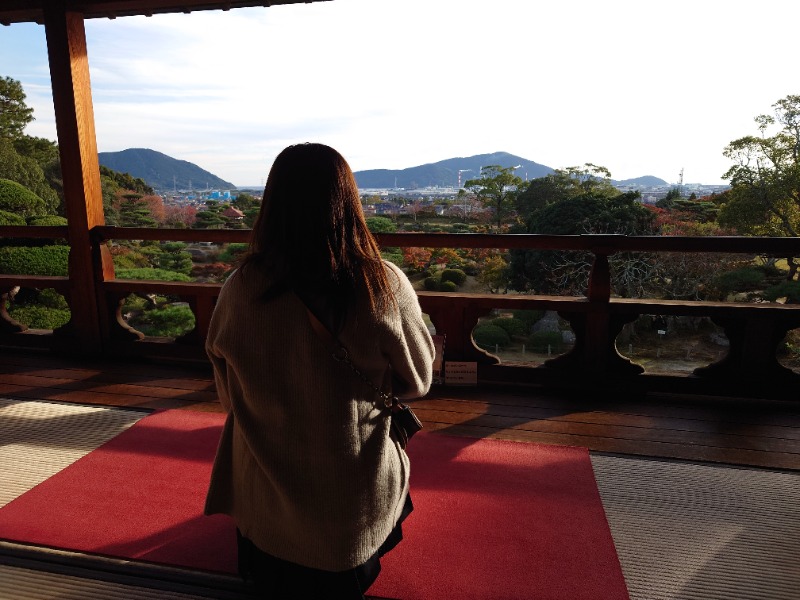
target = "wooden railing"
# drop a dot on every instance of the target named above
(754, 330)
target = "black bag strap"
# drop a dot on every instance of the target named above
(340, 353)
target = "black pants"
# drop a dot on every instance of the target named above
(278, 579)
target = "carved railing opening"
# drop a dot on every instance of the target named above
(744, 343)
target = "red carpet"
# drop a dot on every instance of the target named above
(492, 519)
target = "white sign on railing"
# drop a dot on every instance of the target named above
(460, 373)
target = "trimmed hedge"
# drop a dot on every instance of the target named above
(514, 327)
(489, 336)
(233, 252)
(39, 260)
(457, 276)
(9, 218)
(529, 317)
(154, 274)
(169, 321)
(786, 289)
(47, 221)
(746, 279)
(542, 341)
(18, 199)
(40, 317)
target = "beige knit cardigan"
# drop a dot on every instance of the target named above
(306, 465)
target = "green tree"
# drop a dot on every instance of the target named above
(548, 271)
(27, 172)
(233, 252)
(17, 199)
(206, 219)
(9, 218)
(126, 181)
(15, 114)
(668, 201)
(765, 178)
(211, 218)
(47, 221)
(700, 211)
(30, 161)
(251, 215)
(539, 193)
(173, 257)
(588, 180)
(381, 225)
(134, 210)
(497, 188)
(42, 260)
(245, 202)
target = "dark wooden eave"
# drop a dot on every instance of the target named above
(32, 11)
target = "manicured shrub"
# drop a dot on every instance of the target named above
(786, 289)
(489, 336)
(457, 276)
(47, 221)
(232, 252)
(380, 225)
(173, 257)
(169, 321)
(19, 200)
(41, 260)
(514, 327)
(40, 317)
(151, 274)
(393, 257)
(9, 218)
(431, 284)
(447, 286)
(51, 298)
(542, 341)
(745, 279)
(529, 317)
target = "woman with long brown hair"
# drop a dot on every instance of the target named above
(307, 465)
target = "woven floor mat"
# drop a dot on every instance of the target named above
(38, 439)
(26, 584)
(687, 531)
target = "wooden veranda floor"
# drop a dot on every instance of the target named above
(761, 433)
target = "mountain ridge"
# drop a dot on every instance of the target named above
(163, 172)
(160, 171)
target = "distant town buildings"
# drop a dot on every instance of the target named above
(440, 200)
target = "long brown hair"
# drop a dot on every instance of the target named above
(311, 236)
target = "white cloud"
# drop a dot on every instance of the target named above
(639, 87)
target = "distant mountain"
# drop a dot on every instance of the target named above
(445, 173)
(160, 171)
(164, 173)
(646, 182)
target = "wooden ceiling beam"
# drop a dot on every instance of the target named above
(32, 11)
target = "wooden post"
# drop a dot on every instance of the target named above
(80, 170)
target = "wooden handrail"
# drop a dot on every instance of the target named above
(753, 329)
(600, 243)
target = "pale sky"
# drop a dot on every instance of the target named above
(639, 87)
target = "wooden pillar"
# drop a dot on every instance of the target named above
(69, 73)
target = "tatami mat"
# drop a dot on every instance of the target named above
(683, 531)
(38, 439)
(26, 584)
(687, 531)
